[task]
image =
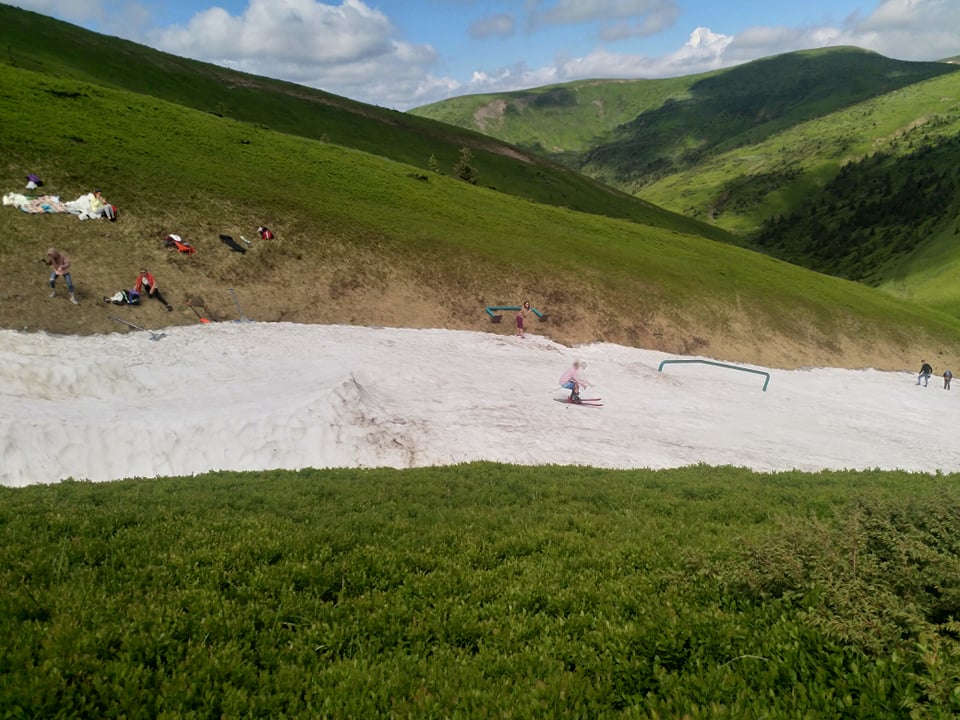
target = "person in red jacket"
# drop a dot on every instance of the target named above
(147, 285)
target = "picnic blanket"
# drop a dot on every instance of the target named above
(37, 205)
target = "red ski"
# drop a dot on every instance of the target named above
(589, 402)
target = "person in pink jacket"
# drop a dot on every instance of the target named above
(573, 379)
(60, 265)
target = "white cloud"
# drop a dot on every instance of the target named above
(74, 11)
(353, 49)
(302, 31)
(703, 51)
(571, 12)
(503, 25)
(909, 29)
(349, 49)
(654, 22)
(510, 78)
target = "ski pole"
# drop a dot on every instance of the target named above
(153, 335)
(193, 307)
(243, 318)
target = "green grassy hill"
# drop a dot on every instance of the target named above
(362, 238)
(838, 159)
(35, 42)
(632, 133)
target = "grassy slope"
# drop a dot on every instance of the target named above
(756, 152)
(561, 121)
(746, 105)
(629, 133)
(365, 240)
(34, 42)
(482, 591)
(739, 188)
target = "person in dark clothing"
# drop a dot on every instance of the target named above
(147, 285)
(925, 372)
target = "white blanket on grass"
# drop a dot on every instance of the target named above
(81, 207)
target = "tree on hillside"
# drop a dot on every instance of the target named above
(463, 169)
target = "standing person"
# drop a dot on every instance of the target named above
(61, 268)
(925, 372)
(521, 316)
(573, 379)
(947, 377)
(100, 207)
(146, 284)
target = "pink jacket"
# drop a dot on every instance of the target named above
(574, 374)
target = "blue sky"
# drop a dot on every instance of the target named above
(405, 53)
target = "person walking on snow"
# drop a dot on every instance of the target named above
(60, 264)
(573, 379)
(925, 372)
(147, 285)
(947, 377)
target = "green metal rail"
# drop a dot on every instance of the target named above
(491, 311)
(723, 365)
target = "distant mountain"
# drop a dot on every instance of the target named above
(759, 149)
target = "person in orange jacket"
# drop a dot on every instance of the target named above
(147, 285)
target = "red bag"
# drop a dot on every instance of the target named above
(174, 241)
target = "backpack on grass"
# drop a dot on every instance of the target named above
(176, 242)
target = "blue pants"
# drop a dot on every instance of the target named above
(66, 276)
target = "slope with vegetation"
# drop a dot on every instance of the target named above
(361, 239)
(199, 150)
(483, 591)
(34, 42)
(632, 133)
(837, 159)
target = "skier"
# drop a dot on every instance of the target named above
(573, 379)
